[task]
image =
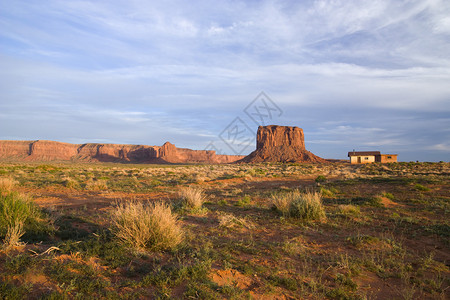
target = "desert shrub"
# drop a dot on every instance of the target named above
(18, 214)
(192, 197)
(13, 235)
(321, 178)
(7, 184)
(306, 206)
(421, 188)
(97, 185)
(349, 209)
(285, 282)
(71, 183)
(244, 201)
(326, 192)
(283, 201)
(9, 290)
(390, 196)
(147, 226)
(376, 201)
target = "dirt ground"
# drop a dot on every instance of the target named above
(385, 234)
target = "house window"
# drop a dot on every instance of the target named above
(366, 158)
(389, 157)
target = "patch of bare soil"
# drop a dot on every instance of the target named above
(389, 203)
(231, 277)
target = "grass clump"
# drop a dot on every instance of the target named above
(320, 178)
(305, 206)
(282, 202)
(147, 226)
(349, 210)
(13, 235)
(71, 183)
(421, 188)
(96, 185)
(19, 215)
(7, 184)
(192, 197)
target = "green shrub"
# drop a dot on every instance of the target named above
(321, 178)
(147, 226)
(421, 188)
(244, 201)
(305, 206)
(285, 282)
(349, 210)
(18, 211)
(9, 290)
(375, 201)
(390, 196)
(326, 192)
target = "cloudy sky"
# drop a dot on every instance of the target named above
(364, 75)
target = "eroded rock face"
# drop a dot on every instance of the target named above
(277, 136)
(56, 151)
(281, 144)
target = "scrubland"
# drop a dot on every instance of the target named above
(263, 231)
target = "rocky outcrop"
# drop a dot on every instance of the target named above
(281, 144)
(56, 151)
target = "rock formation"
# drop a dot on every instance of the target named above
(281, 144)
(56, 151)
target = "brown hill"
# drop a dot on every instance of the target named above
(56, 151)
(281, 144)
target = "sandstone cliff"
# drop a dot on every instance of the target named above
(281, 144)
(56, 151)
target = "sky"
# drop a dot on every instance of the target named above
(363, 75)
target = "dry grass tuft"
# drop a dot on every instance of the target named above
(7, 184)
(283, 201)
(349, 210)
(71, 183)
(230, 221)
(192, 197)
(13, 235)
(97, 185)
(147, 226)
(306, 206)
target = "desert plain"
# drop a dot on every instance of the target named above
(381, 231)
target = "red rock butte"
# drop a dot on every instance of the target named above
(281, 144)
(56, 151)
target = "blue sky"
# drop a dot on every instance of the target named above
(364, 75)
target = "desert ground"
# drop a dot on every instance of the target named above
(380, 231)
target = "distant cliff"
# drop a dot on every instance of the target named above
(281, 144)
(56, 151)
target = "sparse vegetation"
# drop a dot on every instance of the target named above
(385, 237)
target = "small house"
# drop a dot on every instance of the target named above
(365, 157)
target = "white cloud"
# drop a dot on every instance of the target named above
(187, 70)
(440, 147)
